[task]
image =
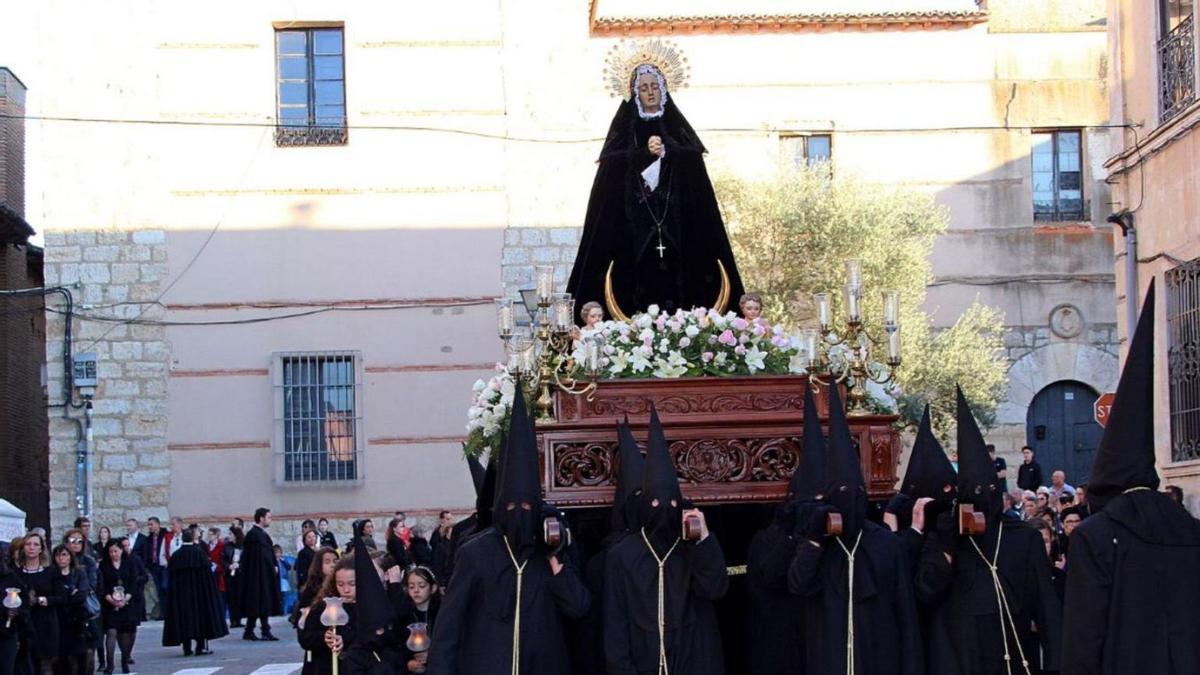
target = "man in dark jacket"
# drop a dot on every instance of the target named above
(992, 600)
(1132, 588)
(1029, 474)
(504, 612)
(261, 597)
(193, 612)
(859, 612)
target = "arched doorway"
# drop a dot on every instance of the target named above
(1061, 428)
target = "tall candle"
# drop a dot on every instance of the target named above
(504, 317)
(854, 273)
(822, 300)
(893, 345)
(851, 295)
(544, 281)
(891, 307)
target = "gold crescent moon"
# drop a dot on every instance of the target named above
(614, 309)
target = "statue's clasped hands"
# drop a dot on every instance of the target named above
(656, 147)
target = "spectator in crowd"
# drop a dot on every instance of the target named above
(1175, 492)
(327, 538)
(134, 536)
(1043, 498)
(260, 578)
(307, 526)
(84, 524)
(1029, 501)
(42, 594)
(367, 539)
(1058, 561)
(216, 555)
(1001, 467)
(1070, 520)
(287, 589)
(439, 542)
(305, 557)
(231, 560)
(120, 613)
(154, 563)
(74, 654)
(407, 547)
(1059, 486)
(319, 569)
(1029, 474)
(102, 536)
(1012, 505)
(75, 543)
(194, 611)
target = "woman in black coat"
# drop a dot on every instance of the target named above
(231, 560)
(74, 631)
(14, 623)
(43, 595)
(120, 610)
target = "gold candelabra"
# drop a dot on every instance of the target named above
(846, 356)
(546, 356)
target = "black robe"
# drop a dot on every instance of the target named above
(461, 531)
(1133, 590)
(886, 638)
(775, 626)
(357, 658)
(43, 620)
(474, 632)
(73, 628)
(260, 592)
(694, 577)
(132, 577)
(964, 633)
(619, 227)
(193, 606)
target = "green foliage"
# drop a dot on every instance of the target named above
(792, 233)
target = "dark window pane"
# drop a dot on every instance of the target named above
(327, 41)
(327, 68)
(293, 93)
(1068, 180)
(819, 149)
(328, 93)
(291, 42)
(293, 68)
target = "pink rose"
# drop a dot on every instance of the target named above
(739, 350)
(699, 312)
(685, 342)
(706, 357)
(740, 323)
(727, 338)
(743, 338)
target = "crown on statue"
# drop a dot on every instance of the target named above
(629, 54)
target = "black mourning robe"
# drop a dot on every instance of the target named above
(43, 621)
(695, 577)
(619, 227)
(193, 606)
(358, 657)
(259, 591)
(886, 636)
(775, 629)
(132, 577)
(1133, 586)
(964, 633)
(474, 631)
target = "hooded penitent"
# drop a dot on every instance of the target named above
(629, 480)
(374, 608)
(662, 522)
(808, 481)
(478, 473)
(486, 497)
(930, 473)
(846, 489)
(519, 493)
(977, 483)
(1125, 458)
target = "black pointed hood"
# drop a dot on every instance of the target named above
(478, 473)
(929, 469)
(846, 489)
(631, 467)
(977, 482)
(374, 609)
(662, 523)
(519, 482)
(1125, 458)
(808, 480)
(486, 497)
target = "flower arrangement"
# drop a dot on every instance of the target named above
(488, 416)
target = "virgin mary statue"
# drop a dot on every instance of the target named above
(653, 233)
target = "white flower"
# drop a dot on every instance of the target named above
(507, 389)
(664, 345)
(643, 321)
(653, 311)
(640, 361)
(754, 359)
(796, 365)
(691, 331)
(478, 386)
(719, 359)
(646, 334)
(674, 365)
(620, 361)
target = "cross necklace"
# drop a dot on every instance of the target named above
(658, 222)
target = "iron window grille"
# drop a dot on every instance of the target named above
(310, 91)
(806, 149)
(1177, 67)
(1058, 175)
(318, 428)
(1183, 359)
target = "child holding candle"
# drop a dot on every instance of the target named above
(319, 641)
(424, 602)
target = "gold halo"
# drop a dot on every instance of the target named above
(626, 55)
(615, 311)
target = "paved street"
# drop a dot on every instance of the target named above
(231, 655)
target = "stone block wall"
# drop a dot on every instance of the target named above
(527, 247)
(115, 277)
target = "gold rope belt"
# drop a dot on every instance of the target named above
(1002, 603)
(516, 645)
(850, 603)
(662, 610)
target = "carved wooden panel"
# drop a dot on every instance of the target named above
(732, 439)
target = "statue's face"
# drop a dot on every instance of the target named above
(649, 93)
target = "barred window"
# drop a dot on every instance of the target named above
(806, 149)
(1183, 359)
(1058, 175)
(310, 86)
(319, 427)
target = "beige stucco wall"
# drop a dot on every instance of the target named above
(420, 216)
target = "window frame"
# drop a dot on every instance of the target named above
(1175, 58)
(283, 458)
(805, 138)
(311, 134)
(1183, 351)
(1059, 215)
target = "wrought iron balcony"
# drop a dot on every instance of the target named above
(1177, 76)
(323, 135)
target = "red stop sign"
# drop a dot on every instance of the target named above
(1102, 408)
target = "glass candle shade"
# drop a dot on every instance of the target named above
(418, 638)
(544, 283)
(893, 345)
(891, 308)
(334, 614)
(854, 273)
(564, 309)
(809, 345)
(852, 296)
(504, 318)
(822, 301)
